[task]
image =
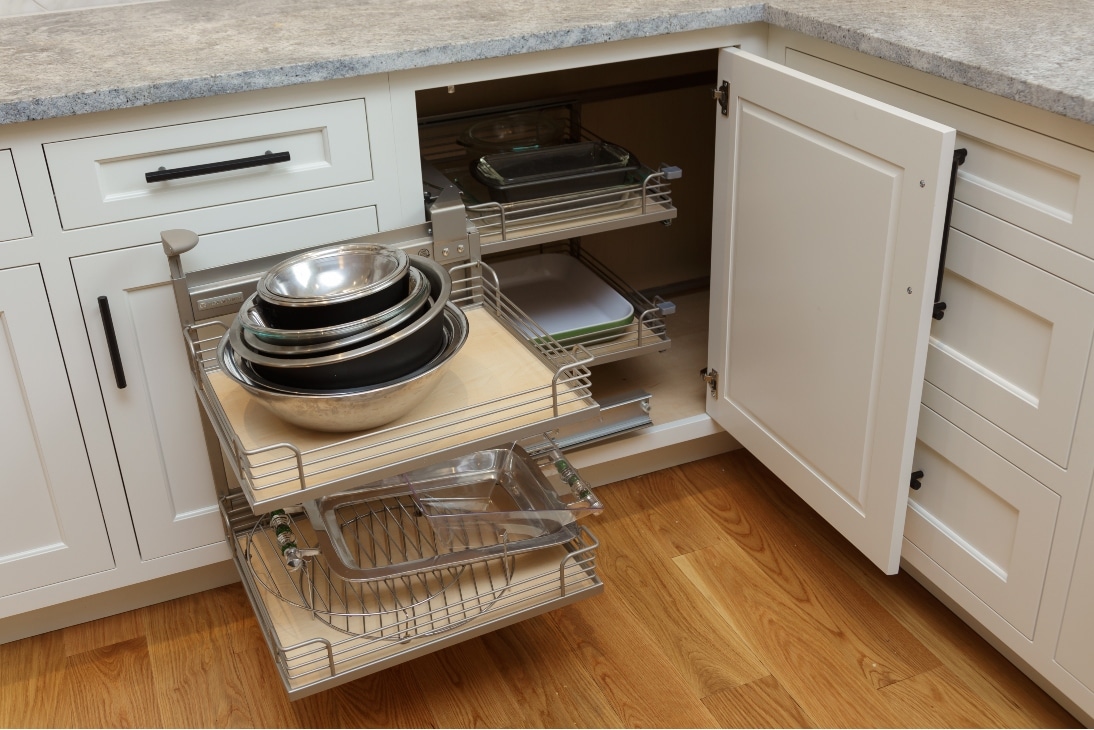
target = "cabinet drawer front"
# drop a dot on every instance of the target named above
(982, 520)
(1031, 180)
(102, 179)
(13, 221)
(1015, 340)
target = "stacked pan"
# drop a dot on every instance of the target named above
(345, 338)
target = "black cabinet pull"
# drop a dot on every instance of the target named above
(112, 342)
(959, 156)
(210, 167)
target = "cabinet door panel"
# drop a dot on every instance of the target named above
(826, 239)
(57, 530)
(155, 419)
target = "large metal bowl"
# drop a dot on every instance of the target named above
(351, 409)
(377, 361)
(319, 340)
(333, 285)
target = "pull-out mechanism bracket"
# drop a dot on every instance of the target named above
(455, 238)
(959, 157)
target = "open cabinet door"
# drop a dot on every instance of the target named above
(829, 210)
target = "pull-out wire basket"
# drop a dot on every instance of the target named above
(500, 387)
(324, 630)
(384, 533)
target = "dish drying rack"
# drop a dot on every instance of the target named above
(646, 198)
(507, 387)
(324, 629)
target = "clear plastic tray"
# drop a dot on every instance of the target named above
(500, 490)
(482, 505)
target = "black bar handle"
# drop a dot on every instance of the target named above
(112, 342)
(959, 156)
(208, 168)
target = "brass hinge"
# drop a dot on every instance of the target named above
(721, 95)
(710, 377)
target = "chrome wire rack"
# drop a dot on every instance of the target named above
(281, 468)
(320, 626)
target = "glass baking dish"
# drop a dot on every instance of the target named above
(558, 170)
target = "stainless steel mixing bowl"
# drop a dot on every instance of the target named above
(352, 409)
(333, 285)
(377, 361)
(295, 343)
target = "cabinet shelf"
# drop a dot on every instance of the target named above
(500, 387)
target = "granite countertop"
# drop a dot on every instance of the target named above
(1040, 52)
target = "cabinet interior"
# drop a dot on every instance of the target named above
(660, 110)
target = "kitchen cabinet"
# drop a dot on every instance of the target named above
(994, 528)
(1033, 185)
(97, 195)
(818, 328)
(57, 532)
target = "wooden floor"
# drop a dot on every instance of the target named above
(728, 604)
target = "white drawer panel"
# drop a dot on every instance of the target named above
(1014, 342)
(1034, 181)
(102, 179)
(13, 220)
(982, 520)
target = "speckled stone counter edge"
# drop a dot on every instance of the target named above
(1069, 105)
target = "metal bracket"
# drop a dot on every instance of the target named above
(710, 377)
(721, 95)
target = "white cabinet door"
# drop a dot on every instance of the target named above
(829, 211)
(55, 529)
(154, 419)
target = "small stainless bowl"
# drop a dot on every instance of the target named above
(377, 361)
(333, 285)
(294, 343)
(352, 409)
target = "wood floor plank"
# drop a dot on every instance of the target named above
(110, 687)
(640, 683)
(102, 632)
(32, 679)
(463, 688)
(760, 703)
(803, 636)
(790, 580)
(660, 507)
(541, 671)
(198, 646)
(1020, 702)
(703, 649)
(391, 698)
(939, 698)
